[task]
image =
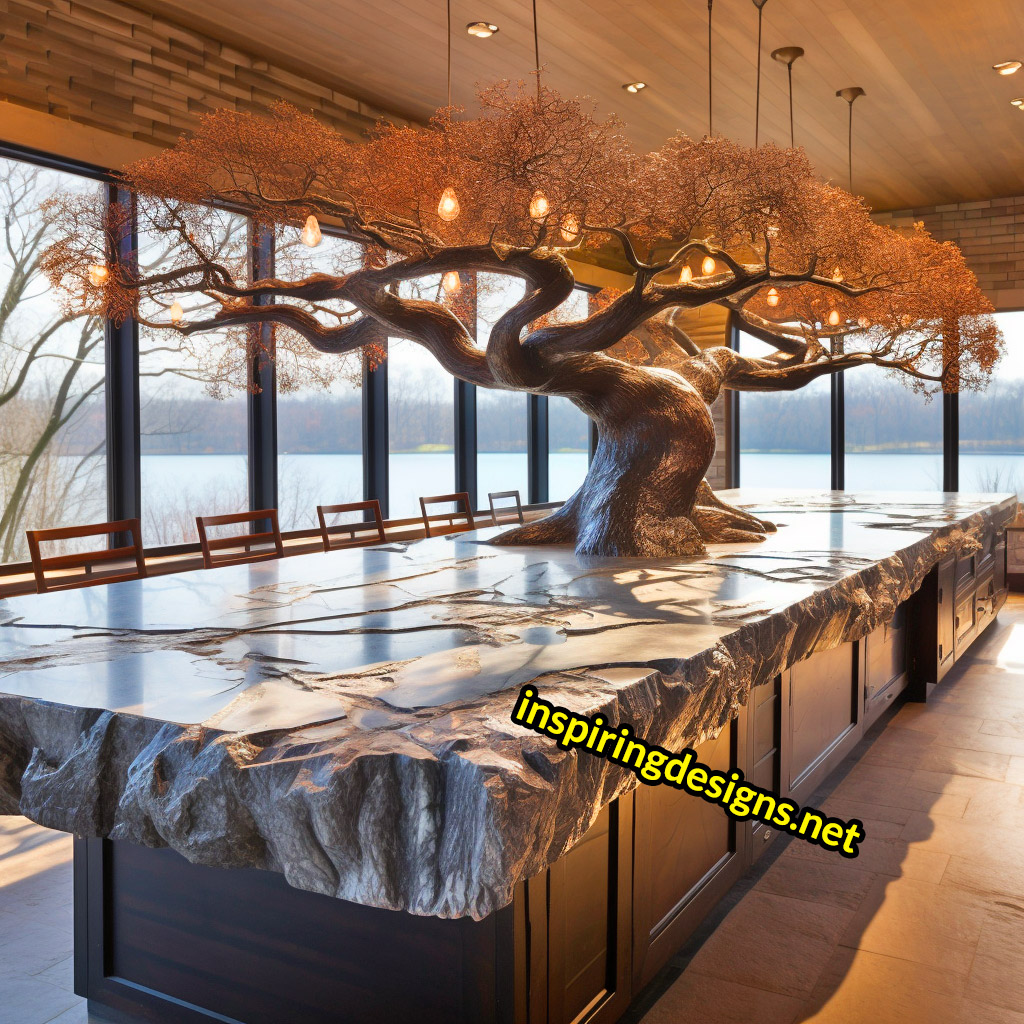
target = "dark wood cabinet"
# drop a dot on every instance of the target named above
(160, 939)
(687, 854)
(764, 755)
(885, 665)
(579, 915)
(954, 605)
(822, 697)
(945, 578)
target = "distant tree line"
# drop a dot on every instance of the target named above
(327, 424)
(881, 415)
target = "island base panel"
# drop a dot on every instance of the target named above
(160, 939)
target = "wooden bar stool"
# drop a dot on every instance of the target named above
(241, 540)
(505, 513)
(462, 511)
(365, 526)
(85, 559)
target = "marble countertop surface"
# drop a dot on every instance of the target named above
(343, 717)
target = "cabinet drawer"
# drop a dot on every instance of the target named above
(964, 619)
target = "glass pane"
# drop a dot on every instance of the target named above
(319, 414)
(568, 448)
(192, 403)
(784, 435)
(893, 435)
(568, 426)
(992, 421)
(53, 419)
(501, 416)
(421, 415)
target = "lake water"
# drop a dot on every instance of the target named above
(882, 471)
(198, 484)
(176, 488)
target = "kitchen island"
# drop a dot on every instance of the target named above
(299, 794)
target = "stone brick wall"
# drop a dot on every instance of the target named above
(109, 66)
(990, 233)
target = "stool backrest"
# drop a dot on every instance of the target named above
(365, 531)
(246, 540)
(128, 528)
(458, 520)
(502, 511)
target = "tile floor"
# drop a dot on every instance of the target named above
(927, 925)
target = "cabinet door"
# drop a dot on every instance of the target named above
(946, 632)
(578, 923)
(824, 711)
(765, 712)
(687, 854)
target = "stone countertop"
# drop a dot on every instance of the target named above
(344, 717)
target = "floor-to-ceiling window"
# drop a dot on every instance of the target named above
(421, 420)
(568, 448)
(52, 412)
(193, 439)
(192, 400)
(501, 461)
(784, 436)
(992, 421)
(568, 426)
(893, 434)
(319, 405)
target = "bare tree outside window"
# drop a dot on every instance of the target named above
(52, 420)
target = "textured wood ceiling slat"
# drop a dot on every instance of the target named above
(936, 124)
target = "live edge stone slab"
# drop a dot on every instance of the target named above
(344, 718)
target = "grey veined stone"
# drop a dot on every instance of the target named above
(344, 718)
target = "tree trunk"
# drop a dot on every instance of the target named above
(644, 495)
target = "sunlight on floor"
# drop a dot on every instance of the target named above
(1011, 650)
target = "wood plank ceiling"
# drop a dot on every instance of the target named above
(936, 125)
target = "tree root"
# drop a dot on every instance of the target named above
(557, 528)
(648, 536)
(719, 522)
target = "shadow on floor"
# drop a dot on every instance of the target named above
(927, 924)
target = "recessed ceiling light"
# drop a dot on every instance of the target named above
(1007, 67)
(634, 86)
(481, 29)
(1018, 103)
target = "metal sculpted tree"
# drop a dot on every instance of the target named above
(515, 191)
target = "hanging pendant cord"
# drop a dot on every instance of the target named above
(757, 101)
(449, 53)
(849, 148)
(710, 128)
(792, 137)
(536, 49)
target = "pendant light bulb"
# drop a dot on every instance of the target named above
(452, 283)
(448, 208)
(707, 267)
(773, 297)
(99, 274)
(833, 318)
(539, 205)
(177, 314)
(837, 275)
(570, 227)
(311, 234)
(686, 274)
